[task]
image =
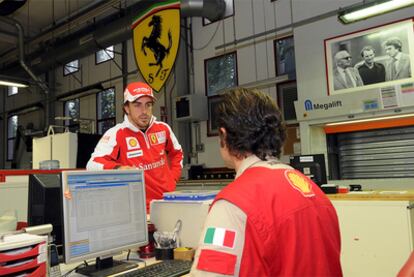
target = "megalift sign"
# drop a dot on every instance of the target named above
(156, 37)
(337, 105)
(372, 100)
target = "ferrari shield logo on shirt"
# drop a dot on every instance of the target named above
(157, 138)
(156, 35)
(300, 183)
(132, 143)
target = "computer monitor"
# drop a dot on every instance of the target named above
(104, 213)
(312, 166)
(44, 204)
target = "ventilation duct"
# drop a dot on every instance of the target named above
(115, 31)
(10, 6)
(211, 9)
(19, 28)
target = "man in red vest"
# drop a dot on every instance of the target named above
(271, 220)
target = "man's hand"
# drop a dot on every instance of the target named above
(126, 167)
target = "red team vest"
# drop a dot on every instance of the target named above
(292, 228)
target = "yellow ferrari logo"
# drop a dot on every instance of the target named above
(156, 36)
(300, 183)
(154, 139)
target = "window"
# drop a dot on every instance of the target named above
(284, 49)
(287, 94)
(11, 135)
(12, 91)
(71, 67)
(72, 110)
(220, 73)
(104, 55)
(105, 103)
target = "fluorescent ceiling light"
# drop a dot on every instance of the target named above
(12, 84)
(368, 9)
(370, 119)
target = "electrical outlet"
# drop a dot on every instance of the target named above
(200, 147)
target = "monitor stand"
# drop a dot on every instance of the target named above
(105, 267)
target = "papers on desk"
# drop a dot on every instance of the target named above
(393, 192)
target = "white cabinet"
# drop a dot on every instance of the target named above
(377, 236)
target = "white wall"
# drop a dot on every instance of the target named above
(255, 57)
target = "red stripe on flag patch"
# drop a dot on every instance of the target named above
(229, 238)
(217, 262)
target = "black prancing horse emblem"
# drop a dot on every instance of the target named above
(153, 43)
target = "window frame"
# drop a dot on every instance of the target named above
(107, 119)
(206, 73)
(11, 93)
(11, 138)
(70, 66)
(105, 50)
(67, 123)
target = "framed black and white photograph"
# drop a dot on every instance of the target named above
(213, 104)
(374, 58)
(220, 73)
(285, 57)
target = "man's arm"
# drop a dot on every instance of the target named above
(214, 257)
(106, 152)
(175, 155)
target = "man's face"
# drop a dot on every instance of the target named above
(391, 50)
(344, 59)
(140, 111)
(368, 56)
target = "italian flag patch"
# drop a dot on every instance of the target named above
(220, 237)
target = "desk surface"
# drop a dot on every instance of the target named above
(133, 258)
(374, 196)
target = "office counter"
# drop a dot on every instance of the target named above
(203, 184)
(376, 231)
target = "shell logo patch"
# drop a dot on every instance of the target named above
(132, 143)
(300, 183)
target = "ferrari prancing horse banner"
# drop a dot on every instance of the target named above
(156, 37)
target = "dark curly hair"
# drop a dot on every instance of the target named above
(252, 122)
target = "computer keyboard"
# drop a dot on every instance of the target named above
(166, 268)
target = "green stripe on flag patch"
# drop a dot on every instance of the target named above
(209, 235)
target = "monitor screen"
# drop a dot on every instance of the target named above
(44, 204)
(104, 213)
(313, 166)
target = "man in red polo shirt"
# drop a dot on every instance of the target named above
(271, 220)
(141, 141)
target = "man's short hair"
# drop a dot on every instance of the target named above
(253, 123)
(396, 42)
(367, 48)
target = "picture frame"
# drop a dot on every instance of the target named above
(287, 94)
(284, 50)
(228, 13)
(220, 72)
(213, 104)
(364, 59)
